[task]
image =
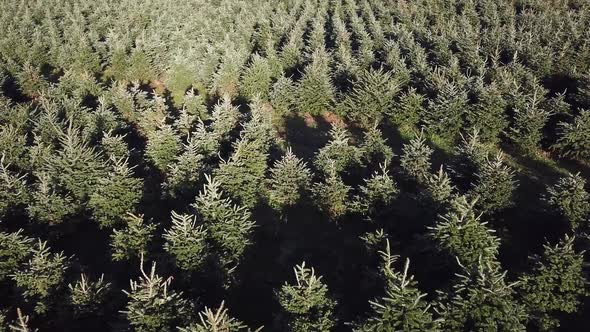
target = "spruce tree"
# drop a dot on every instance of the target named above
(89, 297)
(22, 323)
(494, 186)
(14, 249)
(186, 242)
(487, 115)
(526, 131)
(257, 79)
(408, 110)
(113, 146)
(282, 96)
(41, 278)
(403, 308)
(185, 171)
(444, 115)
(569, 198)
(163, 145)
(415, 159)
(338, 153)
(13, 146)
(194, 105)
(332, 195)
(574, 138)
(13, 189)
(48, 205)
(556, 284)
(131, 241)
(315, 92)
(470, 156)
(460, 233)
(225, 119)
(438, 188)
(306, 305)
(289, 179)
(116, 194)
(217, 320)
(376, 193)
(152, 306)
(374, 147)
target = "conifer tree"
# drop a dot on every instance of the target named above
(87, 296)
(332, 195)
(229, 227)
(22, 323)
(306, 304)
(131, 241)
(139, 67)
(482, 300)
(461, 233)
(415, 159)
(408, 110)
(403, 308)
(186, 242)
(163, 145)
(374, 147)
(574, 138)
(14, 249)
(282, 95)
(185, 171)
(526, 131)
(13, 189)
(13, 146)
(438, 188)
(113, 146)
(289, 179)
(49, 205)
(371, 97)
(217, 320)
(257, 79)
(116, 194)
(152, 305)
(470, 155)
(569, 198)
(487, 115)
(315, 92)
(194, 105)
(226, 79)
(377, 192)
(338, 153)
(556, 284)
(495, 185)
(444, 115)
(225, 119)
(41, 278)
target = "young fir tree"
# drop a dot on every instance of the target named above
(226, 118)
(556, 285)
(163, 145)
(495, 186)
(217, 320)
(438, 188)
(113, 146)
(332, 195)
(89, 297)
(374, 148)
(116, 194)
(315, 92)
(306, 305)
(257, 79)
(229, 227)
(408, 110)
(444, 115)
(131, 241)
(185, 171)
(487, 115)
(569, 198)
(282, 95)
(470, 156)
(338, 153)
(460, 233)
(14, 249)
(415, 159)
(152, 306)
(13, 189)
(403, 308)
(371, 97)
(21, 324)
(289, 179)
(376, 194)
(226, 79)
(13, 146)
(186, 242)
(41, 278)
(574, 138)
(195, 105)
(526, 131)
(482, 300)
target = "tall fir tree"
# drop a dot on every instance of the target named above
(257, 79)
(315, 92)
(444, 115)
(186, 242)
(408, 111)
(526, 131)
(290, 179)
(376, 193)
(487, 115)
(163, 145)
(374, 148)
(439, 189)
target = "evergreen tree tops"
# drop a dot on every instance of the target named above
(217, 320)
(289, 179)
(569, 198)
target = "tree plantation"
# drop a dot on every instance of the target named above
(294, 165)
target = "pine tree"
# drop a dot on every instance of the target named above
(374, 147)
(574, 138)
(217, 320)
(282, 96)
(338, 153)
(48, 205)
(186, 242)
(163, 145)
(139, 67)
(371, 97)
(495, 186)
(569, 198)
(41, 278)
(482, 300)
(116, 194)
(22, 323)
(13, 189)
(185, 171)
(257, 79)
(194, 104)
(415, 159)
(113, 146)
(377, 193)
(315, 92)
(526, 131)
(332, 195)
(403, 308)
(289, 179)
(438, 188)
(408, 110)
(306, 305)
(227, 77)
(470, 155)
(14, 249)
(152, 306)
(460, 233)
(229, 227)
(225, 119)
(180, 77)
(487, 115)
(444, 115)
(131, 241)
(556, 284)
(89, 297)
(13, 146)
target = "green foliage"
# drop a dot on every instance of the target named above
(131, 241)
(152, 306)
(315, 92)
(408, 110)
(574, 138)
(48, 205)
(116, 194)
(569, 199)
(415, 159)
(306, 304)
(374, 147)
(22, 323)
(163, 145)
(289, 180)
(216, 320)
(114, 146)
(180, 78)
(556, 284)
(471, 155)
(13, 189)
(460, 233)
(14, 249)
(257, 79)
(87, 296)
(186, 242)
(495, 186)
(438, 188)
(282, 95)
(332, 195)
(225, 119)
(338, 153)
(444, 115)
(487, 115)
(526, 132)
(403, 308)
(41, 278)
(376, 194)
